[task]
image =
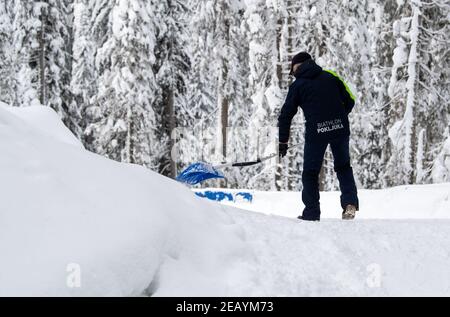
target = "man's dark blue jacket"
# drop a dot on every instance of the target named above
(325, 100)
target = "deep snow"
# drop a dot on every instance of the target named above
(338, 258)
(133, 232)
(399, 245)
(124, 225)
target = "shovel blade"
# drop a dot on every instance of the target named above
(199, 172)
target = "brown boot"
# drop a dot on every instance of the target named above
(349, 212)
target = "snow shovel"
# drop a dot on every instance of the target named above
(201, 171)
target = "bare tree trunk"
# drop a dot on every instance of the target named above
(409, 115)
(286, 81)
(279, 72)
(42, 56)
(224, 124)
(171, 114)
(223, 99)
(129, 138)
(222, 121)
(291, 9)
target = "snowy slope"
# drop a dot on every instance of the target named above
(125, 227)
(132, 232)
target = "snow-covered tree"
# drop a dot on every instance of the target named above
(172, 68)
(125, 130)
(434, 71)
(263, 31)
(124, 73)
(83, 84)
(53, 54)
(417, 89)
(24, 72)
(403, 132)
(215, 94)
(441, 166)
(230, 79)
(197, 107)
(371, 146)
(5, 53)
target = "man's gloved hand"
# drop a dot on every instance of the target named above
(282, 149)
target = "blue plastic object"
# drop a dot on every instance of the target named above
(216, 196)
(222, 195)
(198, 172)
(246, 196)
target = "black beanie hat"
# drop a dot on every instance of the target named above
(299, 58)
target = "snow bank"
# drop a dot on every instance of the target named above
(126, 230)
(73, 223)
(47, 121)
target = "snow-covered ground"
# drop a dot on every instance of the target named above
(399, 245)
(402, 202)
(336, 258)
(74, 223)
(123, 228)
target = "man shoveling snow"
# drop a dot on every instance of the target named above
(326, 102)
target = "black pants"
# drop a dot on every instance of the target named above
(313, 157)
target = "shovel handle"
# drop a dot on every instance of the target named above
(260, 160)
(242, 164)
